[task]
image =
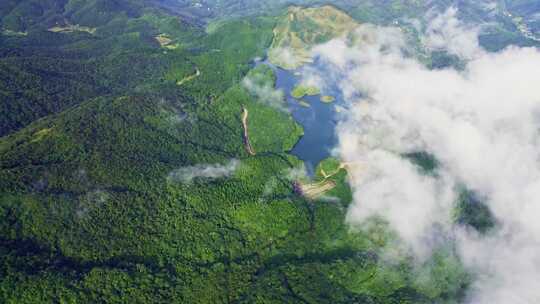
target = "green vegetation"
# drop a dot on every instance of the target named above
(45, 72)
(425, 161)
(471, 211)
(387, 11)
(302, 90)
(332, 169)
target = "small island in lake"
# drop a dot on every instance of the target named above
(303, 90)
(327, 99)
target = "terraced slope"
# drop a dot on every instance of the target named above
(302, 28)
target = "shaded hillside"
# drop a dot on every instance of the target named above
(47, 68)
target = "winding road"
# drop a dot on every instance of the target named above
(247, 143)
(190, 77)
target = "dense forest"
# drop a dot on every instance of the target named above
(103, 101)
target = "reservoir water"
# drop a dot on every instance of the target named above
(318, 120)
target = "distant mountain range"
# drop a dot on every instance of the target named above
(521, 16)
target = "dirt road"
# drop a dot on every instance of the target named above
(247, 143)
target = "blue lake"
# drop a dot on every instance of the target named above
(319, 120)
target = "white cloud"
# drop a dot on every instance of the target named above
(296, 173)
(208, 171)
(284, 57)
(311, 77)
(481, 123)
(446, 32)
(339, 53)
(264, 92)
(489, 5)
(392, 188)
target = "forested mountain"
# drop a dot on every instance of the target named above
(102, 102)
